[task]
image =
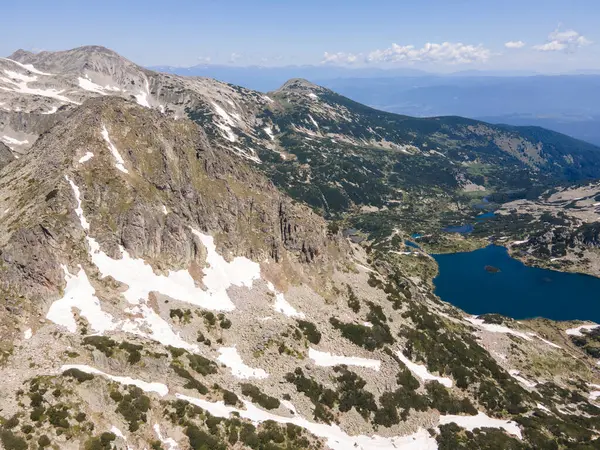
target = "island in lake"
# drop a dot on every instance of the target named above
(519, 291)
(491, 269)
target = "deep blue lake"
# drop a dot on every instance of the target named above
(487, 215)
(517, 291)
(411, 244)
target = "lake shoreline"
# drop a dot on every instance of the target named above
(517, 290)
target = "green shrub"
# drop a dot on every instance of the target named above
(37, 413)
(406, 379)
(175, 351)
(79, 375)
(369, 338)
(12, 422)
(44, 441)
(202, 365)
(133, 407)
(316, 392)
(192, 383)
(11, 441)
(209, 318)
(103, 442)
(248, 435)
(58, 416)
(229, 397)
(102, 343)
(352, 394)
(258, 397)
(133, 350)
(310, 331)
(200, 440)
(353, 301)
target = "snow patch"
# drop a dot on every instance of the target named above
(335, 437)
(516, 375)
(542, 407)
(117, 432)
(269, 132)
(119, 160)
(229, 134)
(481, 420)
(593, 395)
(495, 328)
(145, 322)
(551, 344)
(142, 96)
(169, 442)
(159, 388)
(250, 154)
(313, 96)
(81, 295)
(364, 267)
(230, 357)
(79, 210)
(89, 85)
(52, 110)
(12, 141)
(28, 333)
(20, 77)
(577, 330)
(223, 114)
(164, 210)
(86, 157)
(19, 84)
(313, 121)
(421, 371)
(326, 359)
(28, 67)
(141, 279)
(281, 305)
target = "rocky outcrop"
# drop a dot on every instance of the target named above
(6, 155)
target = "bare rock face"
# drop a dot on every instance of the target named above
(6, 155)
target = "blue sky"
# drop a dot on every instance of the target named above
(546, 35)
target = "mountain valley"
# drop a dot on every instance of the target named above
(185, 263)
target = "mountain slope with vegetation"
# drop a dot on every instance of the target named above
(159, 291)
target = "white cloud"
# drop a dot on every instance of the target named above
(446, 52)
(204, 59)
(235, 57)
(514, 44)
(568, 41)
(340, 58)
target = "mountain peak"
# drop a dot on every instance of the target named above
(76, 59)
(296, 84)
(19, 54)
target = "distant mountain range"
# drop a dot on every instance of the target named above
(566, 103)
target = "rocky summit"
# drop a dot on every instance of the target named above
(176, 270)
